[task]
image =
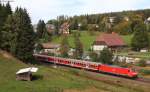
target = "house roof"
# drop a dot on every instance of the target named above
(112, 39)
(50, 45)
(148, 19)
(25, 70)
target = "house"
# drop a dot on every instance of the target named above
(108, 40)
(112, 19)
(64, 29)
(50, 28)
(126, 18)
(71, 52)
(147, 21)
(144, 50)
(35, 27)
(51, 48)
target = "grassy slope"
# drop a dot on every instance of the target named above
(127, 39)
(85, 38)
(88, 39)
(50, 80)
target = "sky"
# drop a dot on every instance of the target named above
(50, 9)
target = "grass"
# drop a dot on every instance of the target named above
(88, 39)
(85, 38)
(127, 39)
(51, 80)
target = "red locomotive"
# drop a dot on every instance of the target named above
(88, 65)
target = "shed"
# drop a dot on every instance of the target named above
(26, 73)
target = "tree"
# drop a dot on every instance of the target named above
(92, 28)
(38, 47)
(94, 56)
(9, 35)
(64, 47)
(42, 34)
(78, 46)
(8, 9)
(0, 24)
(26, 35)
(4, 12)
(141, 38)
(106, 56)
(41, 29)
(56, 24)
(142, 63)
(123, 28)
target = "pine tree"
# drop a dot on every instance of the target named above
(106, 56)
(5, 11)
(26, 35)
(64, 47)
(10, 35)
(141, 38)
(42, 34)
(0, 24)
(41, 29)
(8, 9)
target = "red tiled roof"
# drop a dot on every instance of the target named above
(111, 39)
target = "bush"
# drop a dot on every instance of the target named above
(142, 63)
(94, 56)
(145, 72)
(51, 54)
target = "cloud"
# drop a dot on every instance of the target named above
(49, 9)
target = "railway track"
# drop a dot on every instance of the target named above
(145, 80)
(92, 74)
(140, 79)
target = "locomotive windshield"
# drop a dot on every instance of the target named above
(133, 69)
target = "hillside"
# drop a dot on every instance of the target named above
(87, 39)
(101, 19)
(49, 79)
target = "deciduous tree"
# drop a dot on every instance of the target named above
(106, 56)
(141, 38)
(64, 47)
(78, 46)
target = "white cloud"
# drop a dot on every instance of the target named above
(48, 9)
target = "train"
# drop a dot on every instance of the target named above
(93, 66)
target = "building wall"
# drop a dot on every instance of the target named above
(99, 47)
